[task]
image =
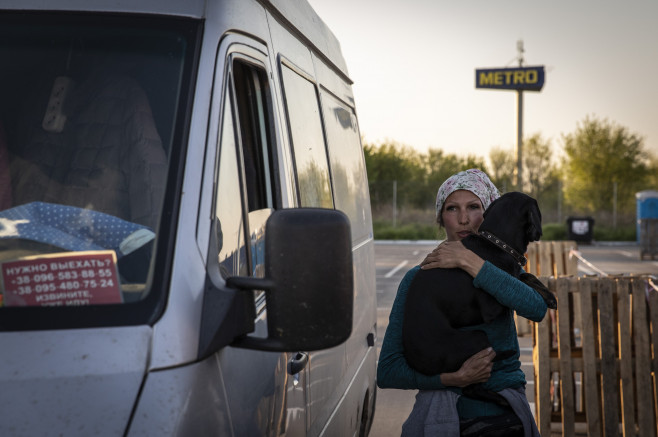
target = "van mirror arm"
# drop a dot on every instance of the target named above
(247, 283)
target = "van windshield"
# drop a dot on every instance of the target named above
(89, 113)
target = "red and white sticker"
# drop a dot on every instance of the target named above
(73, 278)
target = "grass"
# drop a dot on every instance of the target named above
(384, 230)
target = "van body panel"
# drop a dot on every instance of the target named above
(189, 405)
(82, 382)
(205, 398)
(302, 16)
(191, 8)
(291, 50)
(344, 417)
(173, 345)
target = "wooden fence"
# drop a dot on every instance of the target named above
(548, 258)
(552, 258)
(595, 358)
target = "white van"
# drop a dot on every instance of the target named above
(185, 231)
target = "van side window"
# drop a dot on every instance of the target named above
(348, 169)
(229, 224)
(251, 97)
(246, 190)
(305, 126)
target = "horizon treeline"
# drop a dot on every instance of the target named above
(594, 171)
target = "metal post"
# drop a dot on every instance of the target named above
(395, 203)
(614, 205)
(519, 142)
(559, 201)
(519, 126)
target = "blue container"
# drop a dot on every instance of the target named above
(647, 208)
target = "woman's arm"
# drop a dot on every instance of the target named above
(505, 288)
(511, 292)
(393, 371)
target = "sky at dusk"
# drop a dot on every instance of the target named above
(413, 65)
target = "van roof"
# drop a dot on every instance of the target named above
(297, 14)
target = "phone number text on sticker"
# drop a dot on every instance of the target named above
(79, 278)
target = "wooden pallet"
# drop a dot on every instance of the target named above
(548, 258)
(599, 346)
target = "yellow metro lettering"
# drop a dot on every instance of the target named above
(512, 78)
(531, 76)
(486, 78)
(518, 77)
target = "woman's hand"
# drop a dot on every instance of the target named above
(474, 370)
(445, 255)
(453, 254)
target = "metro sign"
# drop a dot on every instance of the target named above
(521, 78)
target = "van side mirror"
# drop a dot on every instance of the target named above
(308, 281)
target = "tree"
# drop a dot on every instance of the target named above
(439, 167)
(599, 155)
(541, 176)
(652, 168)
(388, 163)
(472, 161)
(537, 165)
(503, 165)
(550, 196)
(417, 176)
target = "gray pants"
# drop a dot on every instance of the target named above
(435, 413)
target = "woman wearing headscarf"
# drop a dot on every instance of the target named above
(441, 408)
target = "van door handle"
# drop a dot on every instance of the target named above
(297, 363)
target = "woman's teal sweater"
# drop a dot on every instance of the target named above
(394, 372)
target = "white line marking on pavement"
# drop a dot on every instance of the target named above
(586, 271)
(395, 270)
(589, 264)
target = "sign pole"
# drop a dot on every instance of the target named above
(519, 127)
(519, 79)
(519, 142)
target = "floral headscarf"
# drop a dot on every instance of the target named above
(473, 180)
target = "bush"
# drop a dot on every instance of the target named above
(384, 230)
(554, 232)
(559, 231)
(624, 233)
